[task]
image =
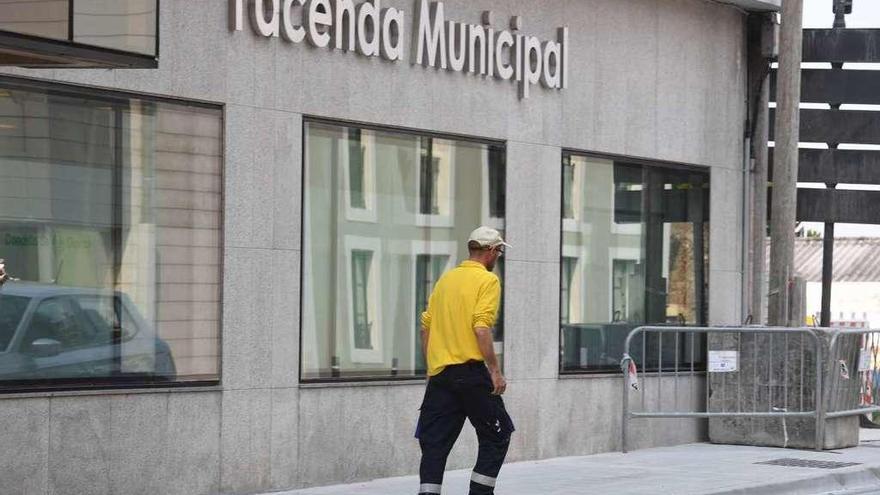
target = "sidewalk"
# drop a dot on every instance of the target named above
(695, 469)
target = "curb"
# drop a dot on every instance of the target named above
(843, 483)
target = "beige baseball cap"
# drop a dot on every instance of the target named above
(487, 237)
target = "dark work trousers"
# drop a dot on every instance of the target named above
(458, 392)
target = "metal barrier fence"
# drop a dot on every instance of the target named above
(761, 375)
(854, 373)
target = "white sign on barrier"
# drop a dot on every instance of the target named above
(723, 361)
(865, 360)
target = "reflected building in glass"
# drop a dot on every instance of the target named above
(634, 252)
(110, 221)
(386, 214)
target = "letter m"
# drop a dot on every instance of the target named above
(431, 35)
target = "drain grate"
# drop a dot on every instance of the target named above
(809, 463)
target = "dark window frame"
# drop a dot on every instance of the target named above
(645, 164)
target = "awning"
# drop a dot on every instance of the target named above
(756, 5)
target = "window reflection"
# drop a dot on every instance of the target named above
(127, 25)
(436, 177)
(569, 265)
(357, 171)
(568, 207)
(362, 296)
(627, 291)
(44, 18)
(110, 218)
(496, 184)
(429, 268)
(386, 214)
(634, 252)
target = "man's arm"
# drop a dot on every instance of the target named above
(487, 349)
(425, 320)
(485, 314)
(425, 335)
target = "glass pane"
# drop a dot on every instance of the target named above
(363, 298)
(499, 322)
(111, 221)
(684, 248)
(569, 264)
(357, 187)
(567, 186)
(429, 268)
(43, 18)
(12, 310)
(497, 182)
(128, 25)
(634, 253)
(386, 214)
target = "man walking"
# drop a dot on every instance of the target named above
(464, 377)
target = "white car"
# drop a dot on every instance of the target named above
(55, 332)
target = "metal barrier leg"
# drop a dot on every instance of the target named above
(624, 423)
(822, 357)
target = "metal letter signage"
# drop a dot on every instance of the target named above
(372, 31)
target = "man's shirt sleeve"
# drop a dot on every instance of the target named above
(486, 310)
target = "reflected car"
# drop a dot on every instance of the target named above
(593, 346)
(600, 347)
(54, 332)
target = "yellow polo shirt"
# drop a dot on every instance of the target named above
(464, 298)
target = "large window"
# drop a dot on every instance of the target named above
(110, 220)
(634, 252)
(79, 33)
(386, 214)
(125, 25)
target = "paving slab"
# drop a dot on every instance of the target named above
(693, 469)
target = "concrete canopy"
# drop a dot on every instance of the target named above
(756, 5)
